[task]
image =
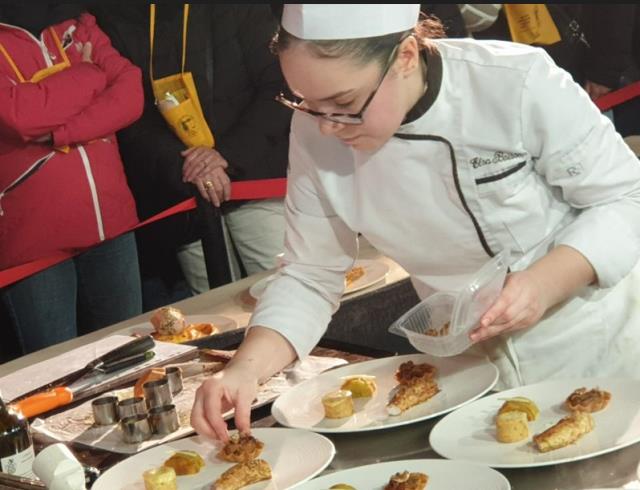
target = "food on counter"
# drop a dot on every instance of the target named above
(520, 404)
(241, 448)
(341, 486)
(407, 481)
(565, 432)
(588, 401)
(353, 275)
(168, 321)
(512, 426)
(243, 474)
(338, 404)
(360, 386)
(171, 326)
(162, 478)
(416, 385)
(441, 332)
(185, 463)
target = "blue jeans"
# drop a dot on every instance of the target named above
(90, 291)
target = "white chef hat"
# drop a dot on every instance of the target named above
(314, 21)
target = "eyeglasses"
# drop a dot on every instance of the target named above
(341, 118)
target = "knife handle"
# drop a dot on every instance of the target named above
(130, 349)
(44, 402)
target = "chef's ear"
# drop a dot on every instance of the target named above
(408, 58)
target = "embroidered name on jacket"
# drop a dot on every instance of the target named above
(498, 156)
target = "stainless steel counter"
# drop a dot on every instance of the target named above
(617, 470)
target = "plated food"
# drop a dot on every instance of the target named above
(416, 384)
(590, 401)
(171, 326)
(566, 431)
(407, 481)
(353, 275)
(243, 474)
(185, 463)
(241, 448)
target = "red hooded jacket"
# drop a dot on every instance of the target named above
(51, 200)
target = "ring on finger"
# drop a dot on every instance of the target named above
(208, 184)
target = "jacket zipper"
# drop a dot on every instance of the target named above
(26, 174)
(456, 180)
(92, 187)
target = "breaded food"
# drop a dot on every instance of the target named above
(438, 332)
(341, 486)
(185, 463)
(407, 481)
(353, 275)
(410, 394)
(338, 404)
(408, 371)
(565, 432)
(243, 474)
(162, 478)
(241, 448)
(588, 401)
(168, 321)
(190, 332)
(360, 386)
(521, 404)
(512, 426)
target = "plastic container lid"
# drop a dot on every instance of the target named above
(440, 324)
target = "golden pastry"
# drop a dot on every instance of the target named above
(360, 386)
(588, 401)
(168, 321)
(407, 481)
(353, 275)
(338, 404)
(408, 371)
(565, 432)
(341, 486)
(163, 478)
(241, 448)
(412, 393)
(243, 474)
(520, 404)
(185, 463)
(512, 426)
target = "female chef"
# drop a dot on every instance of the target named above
(441, 153)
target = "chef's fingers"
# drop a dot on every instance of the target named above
(199, 420)
(244, 399)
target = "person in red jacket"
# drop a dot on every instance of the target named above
(64, 91)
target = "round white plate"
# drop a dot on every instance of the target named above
(443, 475)
(468, 434)
(295, 456)
(461, 379)
(223, 324)
(374, 272)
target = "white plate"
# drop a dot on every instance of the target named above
(468, 434)
(374, 272)
(223, 324)
(443, 475)
(295, 456)
(461, 379)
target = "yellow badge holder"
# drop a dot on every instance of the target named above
(176, 95)
(44, 73)
(531, 23)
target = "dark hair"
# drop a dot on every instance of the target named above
(365, 50)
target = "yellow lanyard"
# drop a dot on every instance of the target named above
(45, 72)
(152, 28)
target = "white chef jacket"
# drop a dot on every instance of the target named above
(504, 150)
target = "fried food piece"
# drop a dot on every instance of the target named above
(409, 371)
(412, 393)
(191, 332)
(520, 404)
(168, 321)
(338, 404)
(341, 486)
(163, 478)
(360, 386)
(588, 401)
(353, 275)
(565, 432)
(243, 474)
(511, 426)
(407, 481)
(241, 448)
(185, 463)
(442, 332)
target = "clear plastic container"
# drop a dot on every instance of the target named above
(440, 324)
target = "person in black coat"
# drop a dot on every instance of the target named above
(237, 79)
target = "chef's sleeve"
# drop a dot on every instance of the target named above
(579, 153)
(319, 249)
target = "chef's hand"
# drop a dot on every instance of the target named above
(233, 387)
(521, 304)
(595, 90)
(197, 159)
